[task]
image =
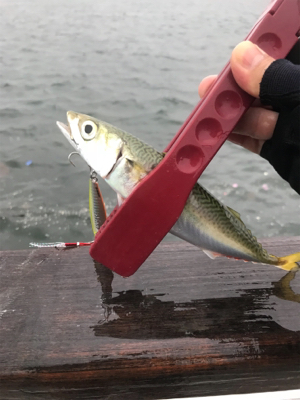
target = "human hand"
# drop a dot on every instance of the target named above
(248, 64)
(262, 130)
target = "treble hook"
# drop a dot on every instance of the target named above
(70, 155)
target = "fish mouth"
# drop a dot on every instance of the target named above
(66, 131)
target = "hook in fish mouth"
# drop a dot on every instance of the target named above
(70, 156)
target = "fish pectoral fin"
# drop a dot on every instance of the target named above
(212, 254)
(288, 263)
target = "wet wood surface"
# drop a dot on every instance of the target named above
(182, 326)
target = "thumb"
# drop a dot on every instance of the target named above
(248, 63)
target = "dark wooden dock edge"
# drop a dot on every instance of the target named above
(182, 326)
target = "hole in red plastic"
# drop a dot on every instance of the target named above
(208, 131)
(269, 42)
(189, 158)
(228, 104)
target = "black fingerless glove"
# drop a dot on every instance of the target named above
(280, 88)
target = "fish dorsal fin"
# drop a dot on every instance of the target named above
(235, 213)
(238, 216)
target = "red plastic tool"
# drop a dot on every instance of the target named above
(132, 231)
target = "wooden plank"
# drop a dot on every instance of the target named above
(183, 325)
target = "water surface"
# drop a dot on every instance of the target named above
(136, 65)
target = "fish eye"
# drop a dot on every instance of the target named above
(88, 130)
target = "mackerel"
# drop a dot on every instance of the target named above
(123, 160)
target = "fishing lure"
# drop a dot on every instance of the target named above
(97, 213)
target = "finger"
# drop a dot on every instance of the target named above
(247, 142)
(206, 84)
(248, 63)
(258, 123)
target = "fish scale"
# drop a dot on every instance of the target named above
(205, 207)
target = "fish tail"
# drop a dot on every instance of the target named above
(289, 262)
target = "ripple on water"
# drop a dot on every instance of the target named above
(10, 113)
(35, 102)
(13, 164)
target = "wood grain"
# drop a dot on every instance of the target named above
(183, 325)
